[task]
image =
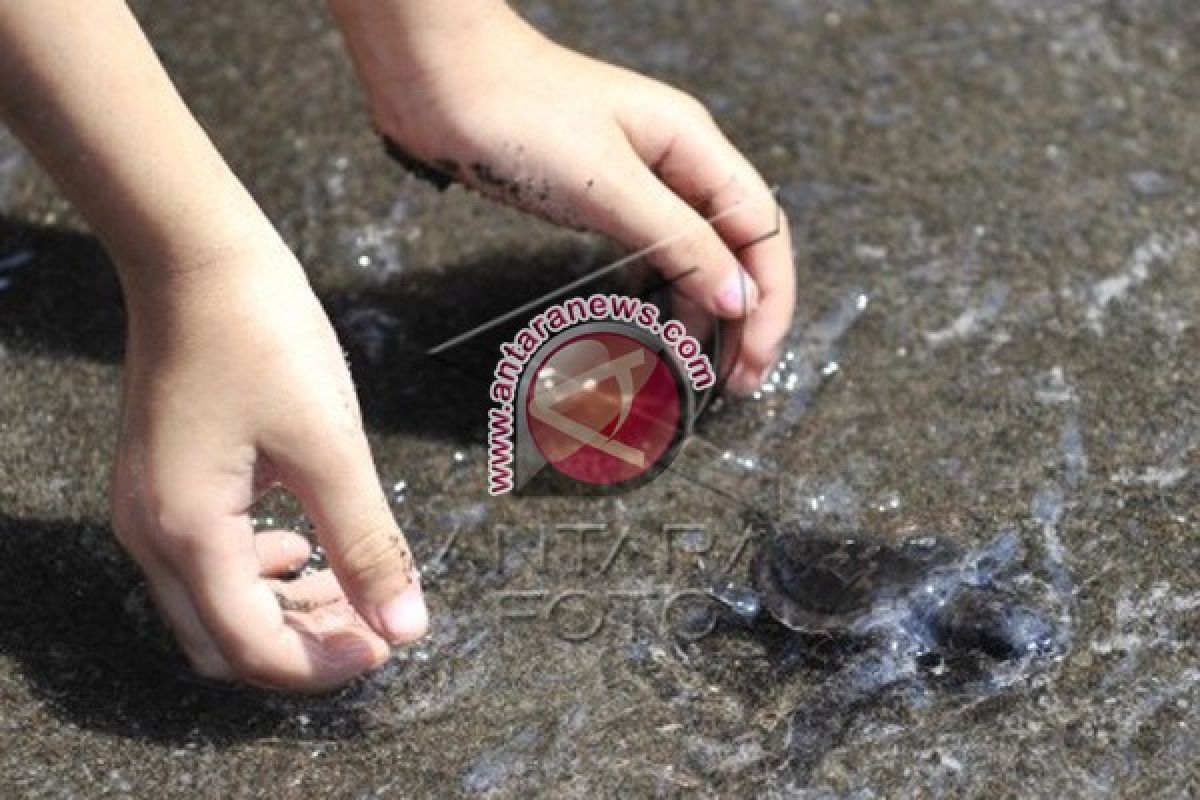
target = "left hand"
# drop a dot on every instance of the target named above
(505, 111)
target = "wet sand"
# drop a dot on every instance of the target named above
(995, 206)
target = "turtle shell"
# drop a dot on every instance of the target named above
(821, 583)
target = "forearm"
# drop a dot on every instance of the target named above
(90, 100)
(416, 58)
(413, 30)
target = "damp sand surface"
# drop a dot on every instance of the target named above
(995, 206)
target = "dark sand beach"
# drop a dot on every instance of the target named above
(996, 210)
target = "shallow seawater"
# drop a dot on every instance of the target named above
(996, 213)
(960, 626)
(12, 161)
(978, 622)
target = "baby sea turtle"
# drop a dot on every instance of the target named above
(826, 584)
(866, 616)
(923, 593)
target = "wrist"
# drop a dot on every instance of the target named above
(232, 265)
(417, 59)
(416, 29)
(166, 245)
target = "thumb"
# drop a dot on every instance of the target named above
(370, 556)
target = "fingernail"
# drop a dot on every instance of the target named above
(405, 617)
(738, 296)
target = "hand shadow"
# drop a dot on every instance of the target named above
(59, 295)
(72, 620)
(73, 617)
(72, 612)
(389, 330)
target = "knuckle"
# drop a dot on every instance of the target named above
(378, 552)
(177, 522)
(699, 253)
(692, 107)
(142, 521)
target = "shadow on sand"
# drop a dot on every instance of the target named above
(93, 659)
(59, 296)
(72, 610)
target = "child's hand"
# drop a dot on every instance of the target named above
(234, 381)
(233, 377)
(469, 89)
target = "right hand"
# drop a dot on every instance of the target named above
(234, 382)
